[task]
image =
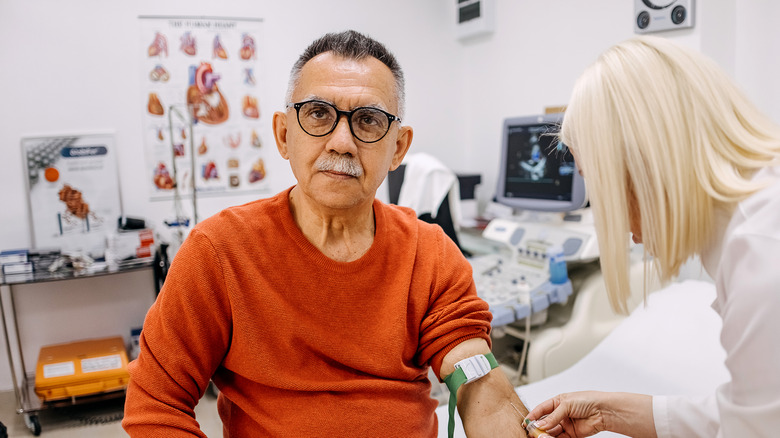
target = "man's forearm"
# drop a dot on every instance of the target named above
(488, 406)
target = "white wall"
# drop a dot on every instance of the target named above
(757, 53)
(73, 67)
(540, 48)
(531, 62)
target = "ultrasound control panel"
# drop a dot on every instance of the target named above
(516, 290)
(516, 283)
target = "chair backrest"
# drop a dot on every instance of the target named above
(395, 180)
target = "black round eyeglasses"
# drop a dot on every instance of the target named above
(367, 124)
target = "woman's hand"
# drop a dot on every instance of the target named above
(575, 414)
(586, 413)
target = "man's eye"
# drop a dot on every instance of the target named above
(318, 113)
(368, 120)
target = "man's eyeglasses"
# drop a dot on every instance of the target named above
(367, 124)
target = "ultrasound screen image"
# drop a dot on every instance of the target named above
(538, 165)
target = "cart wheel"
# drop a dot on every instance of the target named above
(33, 424)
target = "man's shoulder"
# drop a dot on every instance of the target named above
(404, 221)
(395, 212)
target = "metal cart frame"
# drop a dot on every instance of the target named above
(28, 402)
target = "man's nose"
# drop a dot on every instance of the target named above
(341, 139)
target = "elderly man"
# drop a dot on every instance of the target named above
(318, 311)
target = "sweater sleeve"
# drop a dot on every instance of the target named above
(184, 339)
(455, 311)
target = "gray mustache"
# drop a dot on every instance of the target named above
(339, 164)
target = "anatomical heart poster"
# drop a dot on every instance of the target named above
(201, 103)
(73, 191)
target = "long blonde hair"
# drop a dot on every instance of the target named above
(664, 124)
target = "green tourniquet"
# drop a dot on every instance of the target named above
(454, 381)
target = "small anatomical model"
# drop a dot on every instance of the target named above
(249, 107)
(159, 46)
(256, 140)
(162, 178)
(159, 73)
(155, 106)
(188, 44)
(219, 51)
(210, 171)
(247, 51)
(249, 77)
(233, 141)
(258, 171)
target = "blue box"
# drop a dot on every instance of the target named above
(14, 256)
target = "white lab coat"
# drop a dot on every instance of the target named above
(745, 264)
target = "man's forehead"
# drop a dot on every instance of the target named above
(334, 60)
(328, 73)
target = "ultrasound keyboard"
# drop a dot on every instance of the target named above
(516, 282)
(515, 290)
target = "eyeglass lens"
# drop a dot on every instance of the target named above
(319, 118)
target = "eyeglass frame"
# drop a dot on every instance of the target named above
(348, 114)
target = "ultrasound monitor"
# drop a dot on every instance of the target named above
(537, 170)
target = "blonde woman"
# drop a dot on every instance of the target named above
(673, 153)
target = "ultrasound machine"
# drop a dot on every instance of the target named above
(538, 178)
(544, 285)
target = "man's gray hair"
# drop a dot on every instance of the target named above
(351, 45)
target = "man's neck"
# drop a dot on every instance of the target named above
(343, 235)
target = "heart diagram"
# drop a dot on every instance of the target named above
(204, 99)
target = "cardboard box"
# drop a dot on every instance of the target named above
(130, 244)
(81, 368)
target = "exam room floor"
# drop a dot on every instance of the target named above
(103, 420)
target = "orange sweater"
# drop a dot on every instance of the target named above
(298, 344)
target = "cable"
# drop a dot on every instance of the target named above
(525, 295)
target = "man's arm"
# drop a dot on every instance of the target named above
(486, 405)
(185, 335)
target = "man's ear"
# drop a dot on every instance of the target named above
(280, 133)
(402, 144)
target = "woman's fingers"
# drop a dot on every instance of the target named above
(543, 408)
